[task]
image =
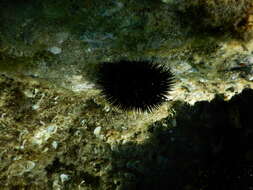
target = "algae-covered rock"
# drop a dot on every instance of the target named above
(71, 141)
(58, 132)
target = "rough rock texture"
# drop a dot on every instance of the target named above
(57, 132)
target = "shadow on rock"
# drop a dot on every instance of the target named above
(211, 147)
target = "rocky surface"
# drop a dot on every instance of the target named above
(58, 132)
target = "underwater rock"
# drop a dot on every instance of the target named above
(58, 132)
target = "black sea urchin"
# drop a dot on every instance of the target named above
(134, 85)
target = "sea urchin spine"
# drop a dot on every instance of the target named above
(134, 85)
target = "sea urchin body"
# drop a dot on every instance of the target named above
(134, 85)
